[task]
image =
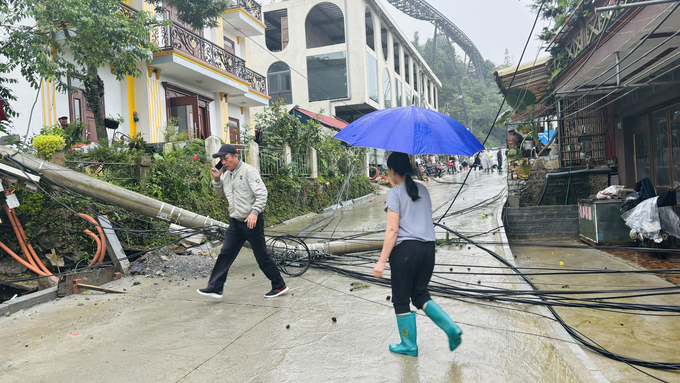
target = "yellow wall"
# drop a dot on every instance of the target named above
(48, 103)
(130, 88)
(155, 92)
(224, 116)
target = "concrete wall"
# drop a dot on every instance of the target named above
(541, 220)
(581, 186)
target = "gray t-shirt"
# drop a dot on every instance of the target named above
(415, 218)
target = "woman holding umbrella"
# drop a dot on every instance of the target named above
(409, 246)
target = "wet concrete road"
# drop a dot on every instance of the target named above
(165, 332)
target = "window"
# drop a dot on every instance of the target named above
(429, 95)
(372, 65)
(325, 25)
(396, 59)
(415, 79)
(280, 84)
(398, 84)
(406, 69)
(327, 76)
(387, 88)
(408, 95)
(383, 40)
(662, 157)
(276, 30)
(229, 45)
(234, 131)
(370, 37)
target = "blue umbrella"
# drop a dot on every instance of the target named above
(411, 130)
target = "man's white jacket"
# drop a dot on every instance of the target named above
(244, 190)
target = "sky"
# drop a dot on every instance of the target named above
(492, 25)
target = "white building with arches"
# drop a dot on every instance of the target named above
(345, 57)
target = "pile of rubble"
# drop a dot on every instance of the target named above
(165, 263)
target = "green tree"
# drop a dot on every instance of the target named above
(481, 98)
(52, 39)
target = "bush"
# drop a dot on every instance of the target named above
(48, 144)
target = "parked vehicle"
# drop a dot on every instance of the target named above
(434, 171)
(451, 169)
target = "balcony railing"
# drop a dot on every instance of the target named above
(181, 39)
(253, 7)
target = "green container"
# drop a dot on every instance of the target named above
(600, 221)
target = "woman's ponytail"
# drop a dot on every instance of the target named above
(400, 164)
(411, 187)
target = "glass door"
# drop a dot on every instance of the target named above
(185, 109)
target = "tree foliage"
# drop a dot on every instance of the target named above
(482, 98)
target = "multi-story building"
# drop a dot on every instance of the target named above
(345, 57)
(202, 78)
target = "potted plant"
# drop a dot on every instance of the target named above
(113, 123)
(582, 155)
(50, 141)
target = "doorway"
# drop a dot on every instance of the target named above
(191, 109)
(234, 131)
(79, 109)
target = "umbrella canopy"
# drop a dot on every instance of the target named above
(411, 130)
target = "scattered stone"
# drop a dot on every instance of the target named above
(81, 304)
(450, 268)
(164, 258)
(155, 284)
(621, 325)
(287, 327)
(334, 319)
(136, 283)
(253, 274)
(479, 282)
(87, 299)
(468, 269)
(27, 345)
(351, 289)
(388, 298)
(137, 268)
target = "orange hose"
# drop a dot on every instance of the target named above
(24, 238)
(377, 173)
(101, 249)
(99, 244)
(21, 260)
(22, 244)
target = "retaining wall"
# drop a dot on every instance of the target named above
(561, 221)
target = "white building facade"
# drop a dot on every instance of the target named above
(345, 57)
(202, 78)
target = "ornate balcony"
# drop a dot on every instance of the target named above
(175, 38)
(253, 7)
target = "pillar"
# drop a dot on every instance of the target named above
(313, 164)
(253, 156)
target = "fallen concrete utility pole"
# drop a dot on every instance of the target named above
(135, 202)
(104, 191)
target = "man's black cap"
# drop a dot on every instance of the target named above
(225, 149)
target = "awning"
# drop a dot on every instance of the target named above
(327, 121)
(533, 76)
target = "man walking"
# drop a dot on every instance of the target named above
(499, 157)
(243, 188)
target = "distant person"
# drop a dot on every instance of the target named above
(499, 158)
(63, 122)
(485, 164)
(246, 194)
(409, 246)
(513, 139)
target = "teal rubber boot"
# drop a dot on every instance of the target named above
(407, 332)
(443, 320)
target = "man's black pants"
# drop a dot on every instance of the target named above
(411, 265)
(500, 165)
(237, 234)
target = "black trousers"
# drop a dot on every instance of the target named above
(237, 234)
(500, 165)
(411, 265)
